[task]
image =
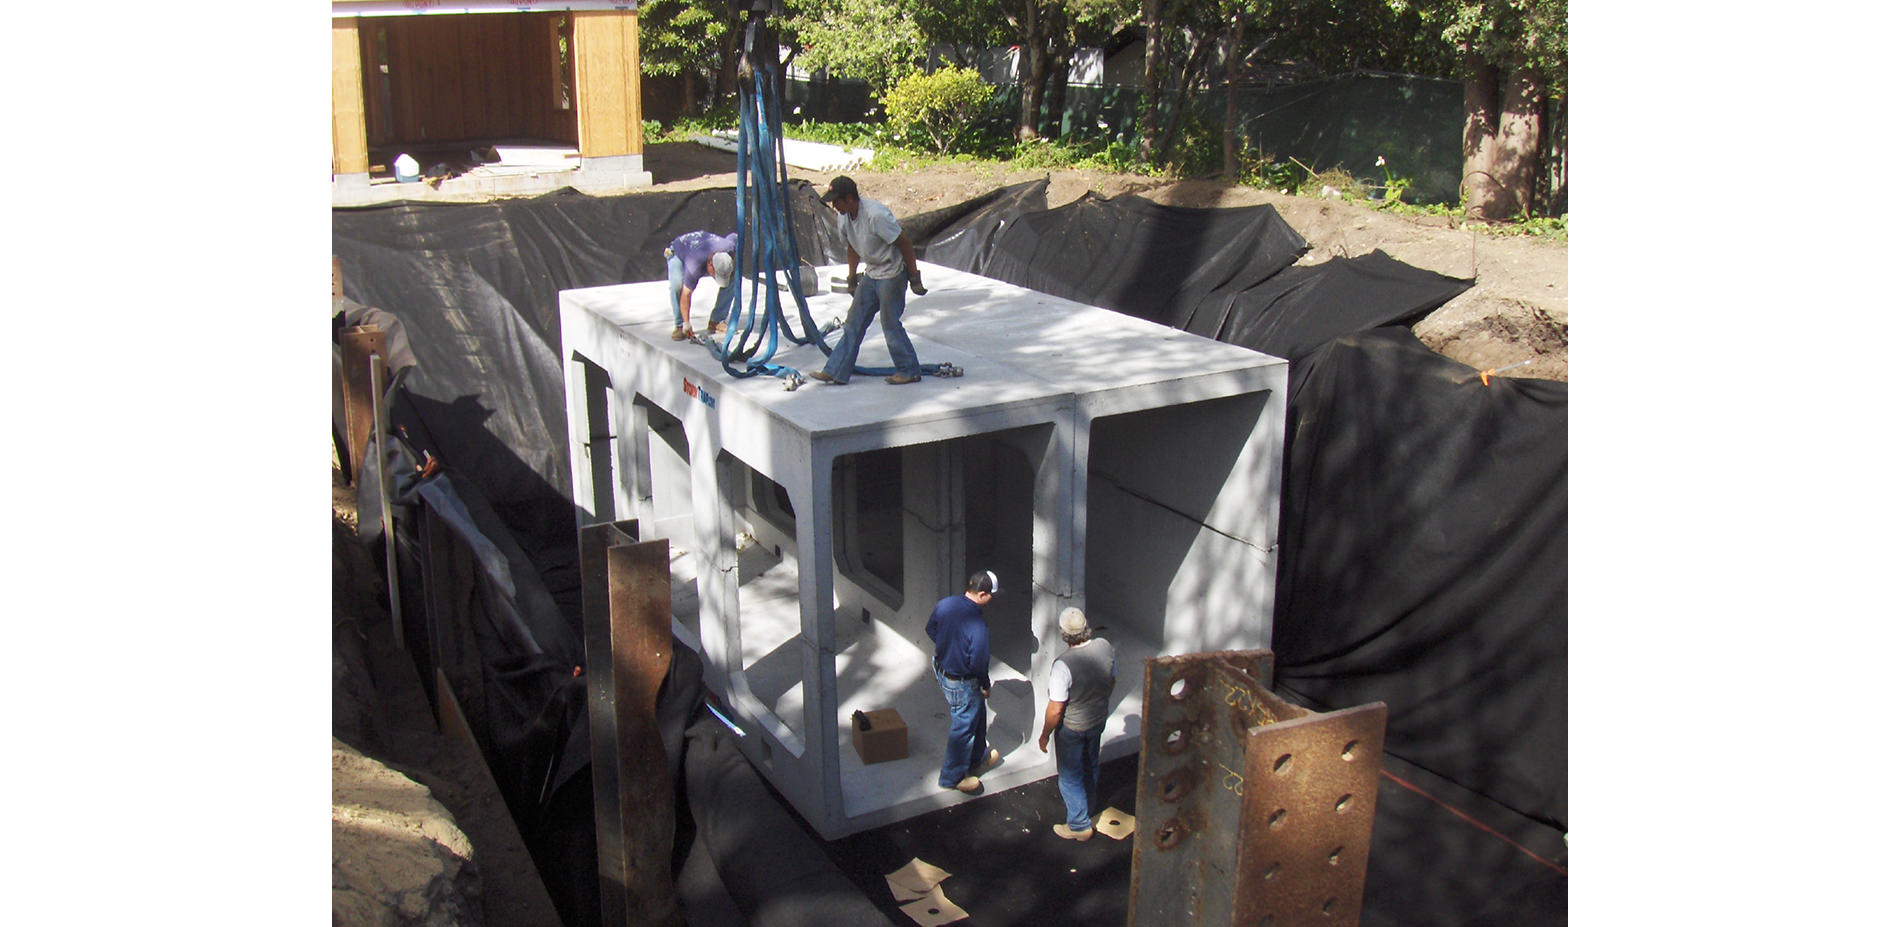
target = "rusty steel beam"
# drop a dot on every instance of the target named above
(640, 596)
(627, 626)
(1312, 784)
(358, 345)
(597, 637)
(1184, 797)
(1253, 810)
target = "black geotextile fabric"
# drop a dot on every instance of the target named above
(477, 286)
(773, 871)
(1139, 257)
(1423, 562)
(960, 236)
(1302, 308)
(1219, 273)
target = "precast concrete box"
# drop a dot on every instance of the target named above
(1086, 457)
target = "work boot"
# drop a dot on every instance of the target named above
(898, 379)
(719, 329)
(824, 378)
(970, 785)
(1063, 831)
(681, 334)
(989, 762)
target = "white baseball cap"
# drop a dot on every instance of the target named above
(1073, 622)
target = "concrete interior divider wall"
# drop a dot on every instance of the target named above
(1086, 457)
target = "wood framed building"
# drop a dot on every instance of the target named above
(432, 77)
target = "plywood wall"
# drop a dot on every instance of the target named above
(607, 70)
(348, 151)
(449, 78)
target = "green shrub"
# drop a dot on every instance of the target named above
(942, 104)
(1102, 154)
(1040, 154)
(1264, 171)
(1198, 145)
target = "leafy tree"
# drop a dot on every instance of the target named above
(960, 23)
(1515, 58)
(876, 41)
(1045, 33)
(690, 38)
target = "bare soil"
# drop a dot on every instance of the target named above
(420, 834)
(1518, 310)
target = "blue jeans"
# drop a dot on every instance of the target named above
(885, 299)
(676, 281)
(969, 727)
(1078, 766)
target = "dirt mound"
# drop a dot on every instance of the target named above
(396, 856)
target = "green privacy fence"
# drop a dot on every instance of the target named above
(1415, 123)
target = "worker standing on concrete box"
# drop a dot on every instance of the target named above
(962, 663)
(871, 234)
(1080, 683)
(689, 259)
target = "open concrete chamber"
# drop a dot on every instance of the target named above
(1086, 457)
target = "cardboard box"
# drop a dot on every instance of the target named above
(886, 738)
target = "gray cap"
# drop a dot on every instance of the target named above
(722, 269)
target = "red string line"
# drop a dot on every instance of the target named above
(1477, 823)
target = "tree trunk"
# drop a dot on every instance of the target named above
(726, 83)
(1189, 78)
(1516, 160)
(1151, 78)
(1553, 186)
(1482, 190)
(1035, 72)
(1061, 59)
(1230, 153)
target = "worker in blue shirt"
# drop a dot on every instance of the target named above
(962, 663)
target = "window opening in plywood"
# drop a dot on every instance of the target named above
(381, 78)
(561, 42)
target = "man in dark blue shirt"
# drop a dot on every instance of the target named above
(962, 663)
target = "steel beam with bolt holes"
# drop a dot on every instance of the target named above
(1253, 810)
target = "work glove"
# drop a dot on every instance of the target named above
(851, 283)
(917, 282)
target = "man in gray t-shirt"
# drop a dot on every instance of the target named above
(1080, 686)
(871, 234)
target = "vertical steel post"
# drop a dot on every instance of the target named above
(640, 595)
(358, 345)
(377, 375)
(1312, 784)
(597, 636)
(1253, 810)
(1193, 752)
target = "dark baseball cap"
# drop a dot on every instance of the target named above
(840, 187)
